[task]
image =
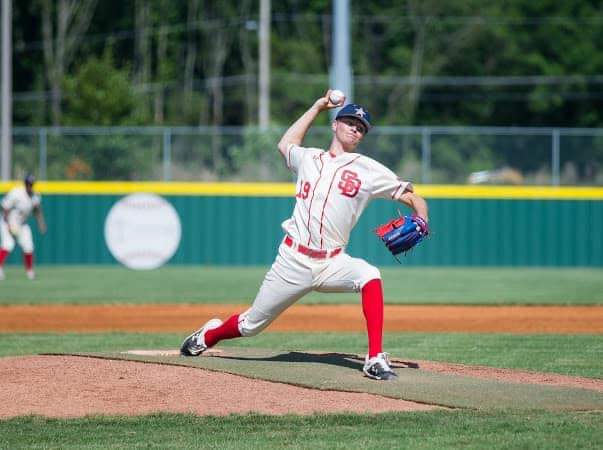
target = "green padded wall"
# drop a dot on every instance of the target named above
(223, 230)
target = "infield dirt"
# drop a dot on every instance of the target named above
(44, 384)
(184, 318)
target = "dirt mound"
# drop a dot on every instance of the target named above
(68, 386)
(73, 386)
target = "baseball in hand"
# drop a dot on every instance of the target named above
(336, 97)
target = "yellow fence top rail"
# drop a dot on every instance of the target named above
(288, 189)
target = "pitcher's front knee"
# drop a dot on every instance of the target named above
(368, 274)
(253, 323)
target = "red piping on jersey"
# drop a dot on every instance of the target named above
(288, 160)
(286, 157)
(322, 165)
(329, 192)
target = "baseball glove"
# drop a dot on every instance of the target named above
(403, 233)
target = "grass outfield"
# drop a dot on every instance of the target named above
(403, 285)
(568, 354)
(578, 355)
(433, 430)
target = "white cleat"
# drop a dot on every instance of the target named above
(31, 274)
(194, 345)
(378, 368)
(2, 276)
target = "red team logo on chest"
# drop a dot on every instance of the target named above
(349, 184)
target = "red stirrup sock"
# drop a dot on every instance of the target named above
(228, 330)
(372, 307)
(28, 260)
(3, 255)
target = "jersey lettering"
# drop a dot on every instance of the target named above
(349, 184)
(304, 190)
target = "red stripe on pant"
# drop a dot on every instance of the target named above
(372, 307)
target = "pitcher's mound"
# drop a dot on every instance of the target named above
(209, 352)
(44, 385)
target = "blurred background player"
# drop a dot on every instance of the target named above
(17, 205)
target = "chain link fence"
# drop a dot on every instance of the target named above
(439, 155)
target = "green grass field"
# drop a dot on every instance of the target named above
(434, 430)
(580, 355)
(111, 284)
(574, 355)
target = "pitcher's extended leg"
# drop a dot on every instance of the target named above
(287, 281)
(372, 307)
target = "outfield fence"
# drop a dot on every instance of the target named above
(427, 155)
(523, 226)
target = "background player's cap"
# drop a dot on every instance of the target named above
(29, 179)
(356, 111)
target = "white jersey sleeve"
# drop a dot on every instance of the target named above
(386, 184)
(295, 156)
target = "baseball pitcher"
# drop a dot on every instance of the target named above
(17, 205)
(333, 189)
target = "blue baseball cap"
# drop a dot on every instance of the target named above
(29, 179)
(357, 112)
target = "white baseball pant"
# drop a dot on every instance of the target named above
(24, 238)
(294, 275)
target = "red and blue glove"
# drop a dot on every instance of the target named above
(402, 234)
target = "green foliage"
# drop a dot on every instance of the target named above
(25, 157)
(455, 157)
(102, 157)
(258, 158)
(437, 38)
(390, 41)
(101, 93)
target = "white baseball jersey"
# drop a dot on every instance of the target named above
(19, 205)
(332, 192)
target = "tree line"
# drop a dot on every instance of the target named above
(415, 62)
